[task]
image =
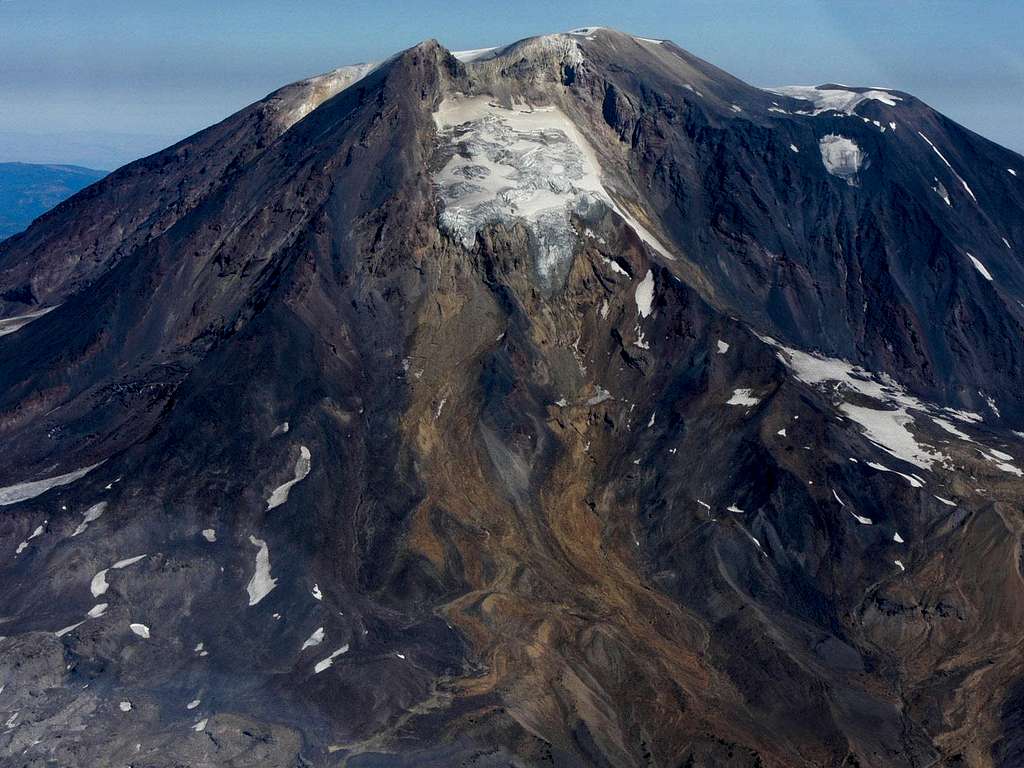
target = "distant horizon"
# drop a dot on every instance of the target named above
(128, 79)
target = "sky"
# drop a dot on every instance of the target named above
(101, 82)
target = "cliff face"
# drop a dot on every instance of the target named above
(568, 403)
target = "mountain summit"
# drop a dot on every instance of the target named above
(568, 403)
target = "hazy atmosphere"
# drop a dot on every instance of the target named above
(99, 84)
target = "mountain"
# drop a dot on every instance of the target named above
(565, 403)
(28, 190)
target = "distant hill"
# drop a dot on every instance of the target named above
(28, 190)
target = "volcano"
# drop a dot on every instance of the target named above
(569, 403)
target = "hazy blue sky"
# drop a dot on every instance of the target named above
(99, 82)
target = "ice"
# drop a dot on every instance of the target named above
(652, 40)
(200, 726)
(529, 164)
(125, 706)
(781, 432)
(99, 583)
(1011, 171)
(834, 99)
(140, 629)
(860, 519)
(645, 294)
(723, 347)
(943, 158)
(742, 397)
(97, 610)
(947, 502)
(280, 429)
(735, 107)
(125, 563)
(980, 267)
(12, 324)
(600, 395)
(72, 628)
(261, 583)
(897, 538)
(899, 565)
(314, 639)
(326, 663)
(841, 156)
(12, 494)
(1007, 243)
(476, 54)
(91, 515)
(317, 593)
(193, 704)
(302, 465)
(915, 482)
(319, 89)
(940, 190)
(210, 535)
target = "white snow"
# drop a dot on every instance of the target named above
(781, 432)
(886, 426)
(652, 40)
(72, 628)
(1007, 243)
(317, 593)
(841, 502)
(651, 422)
(210, 535)
(915, 482)
(125, 706)
(302, 465)
(314, 639)
(860, 519)
(841, 156)
(742, 397)
(943, 158)
(12, 494)
(600, 395)
(645, 294)
(129, 561)
(280, 429)
(735, 107)
(897, 538)
(200, 726)
(980, 267)
(734, 508)
(261, 583)
(317, 90)
(834, 99)
(140, 629)
(940, 190)
(97, 610)
(899, 565)
(794, 148)
(476, 54)
(193, 704)
(326, 663)
(99, 583)
(1011, 171)
(723, 347)
(947, 502)
(12, 324)
(529, 163)
(91, 515)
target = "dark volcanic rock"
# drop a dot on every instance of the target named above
(463, 413)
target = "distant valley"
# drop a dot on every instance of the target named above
(28, 190)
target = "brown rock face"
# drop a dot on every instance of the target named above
(464, 413)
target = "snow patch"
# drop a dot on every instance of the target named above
(943, 158)
(261, 583)
(314, 639)
(723, 347)
(980, 267)
(12, 494)
(326, 663)
(841, 156)
(834, 99)
(140, 629)
(645, 294)
(742, 397)
(92, 514)
(210, 535)
(302, 465)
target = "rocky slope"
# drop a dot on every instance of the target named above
(568, 403)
